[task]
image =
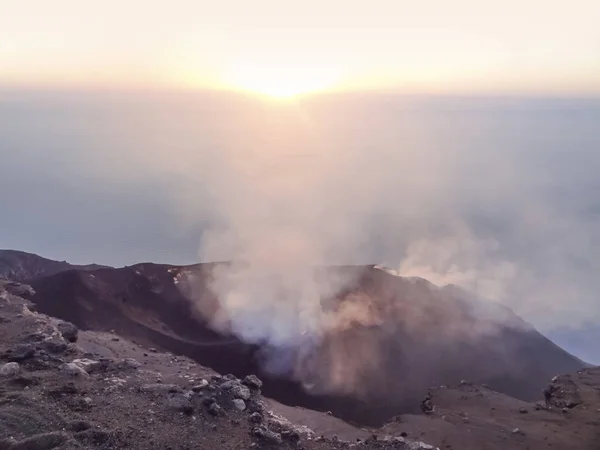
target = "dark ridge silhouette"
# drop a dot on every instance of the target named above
(22, 266)
(429, 337)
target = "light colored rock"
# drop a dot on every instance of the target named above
(239, 404)
(202, 384)
(89, 365)
(241, 392)
(74, 370)
(10, 369)
(131, 362)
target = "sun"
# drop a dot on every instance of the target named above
(279, 82)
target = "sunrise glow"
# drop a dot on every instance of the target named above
(280, 82)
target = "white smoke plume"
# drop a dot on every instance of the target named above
(292, 200)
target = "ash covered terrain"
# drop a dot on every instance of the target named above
(160, 356)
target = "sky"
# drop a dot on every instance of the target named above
(283, 48)
(456, 141)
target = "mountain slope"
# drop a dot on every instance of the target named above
(21, 266)
(425, 336)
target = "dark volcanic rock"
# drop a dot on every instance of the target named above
(18, 289)
(93, 437)
(21, 352)
(68, 331)
(180, 404)
(252, 381)
(54, 345)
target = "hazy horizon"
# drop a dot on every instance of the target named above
(275, 49)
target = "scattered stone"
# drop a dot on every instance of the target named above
(463, 382)
(266, 435)
(207, 401)
(252, 381)
(152, 350)
(523, 410)
(10, 369)
(68, 331)
(517, 431)
(255, 405)
(241, 392)
(115, 339)
(239, 404)
(214, 409)
(291, 435)
(228, 385)
(200, 386)
(89, 365)
(238, 390)
(130, 363)
(426, 405)
(74, 370)
(181, 404)
(255, 417)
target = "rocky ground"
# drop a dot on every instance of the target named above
(65, 389)
(69, 389)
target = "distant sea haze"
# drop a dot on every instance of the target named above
(497, 195)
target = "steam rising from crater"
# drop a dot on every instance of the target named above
(300, 193)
